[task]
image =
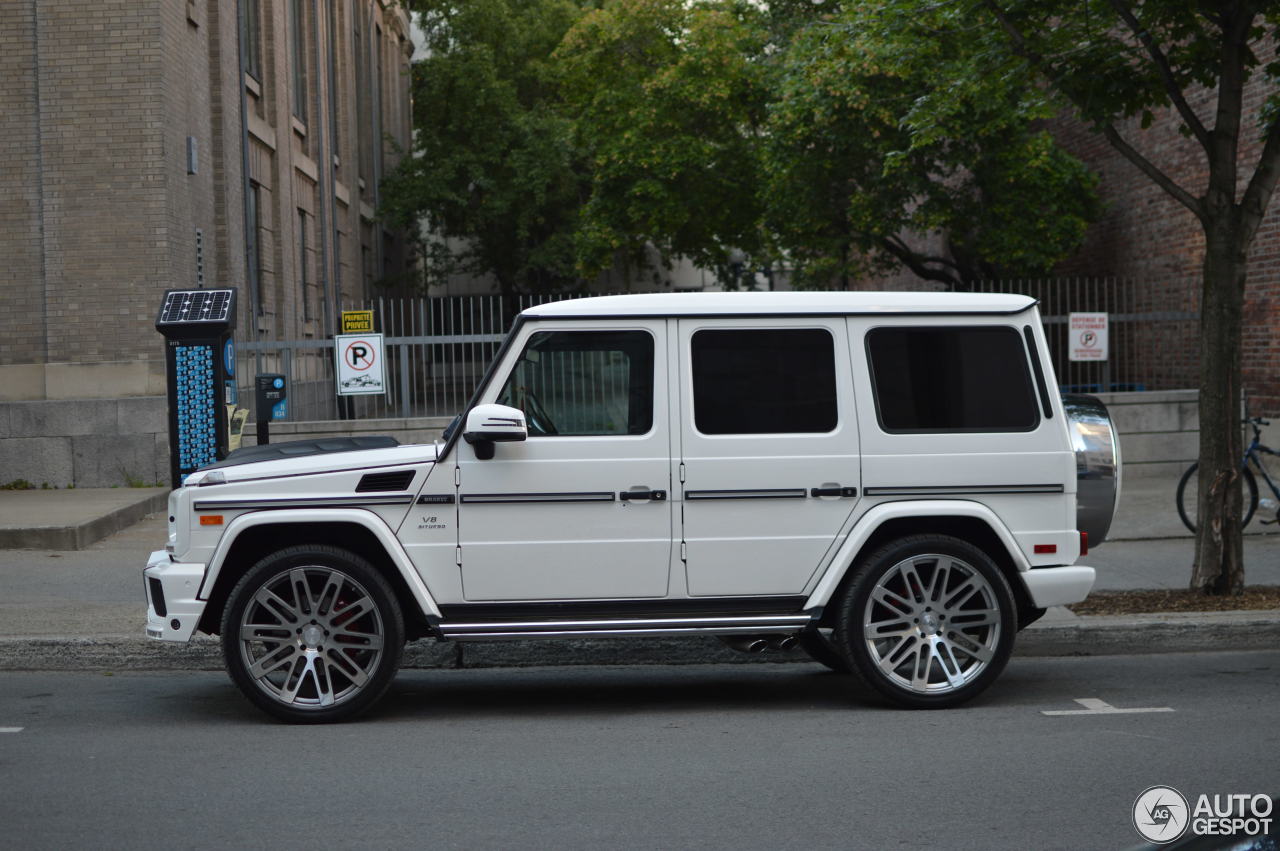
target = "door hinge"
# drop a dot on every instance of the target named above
(457, 477)
(682, 471)
(684, 551)
(457, 556)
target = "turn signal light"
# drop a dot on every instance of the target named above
(210, 519)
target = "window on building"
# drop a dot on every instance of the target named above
(333, 12)
(304, 262)
(584, 383)
(364, 158)
(337, 264)
(973, 379)
(298, 56)
(379, 105)
(764, 381)
(251, 36)
(254, 258)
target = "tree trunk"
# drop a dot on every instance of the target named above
(1219, 564)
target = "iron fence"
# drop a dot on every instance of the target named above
(437, 348)
(1153, 330)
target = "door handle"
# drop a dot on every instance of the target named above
(835, 491)
(657, 496)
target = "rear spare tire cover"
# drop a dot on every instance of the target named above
(1097, 447)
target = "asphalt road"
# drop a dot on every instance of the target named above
(742, 757)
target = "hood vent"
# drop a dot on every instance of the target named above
(398, 481)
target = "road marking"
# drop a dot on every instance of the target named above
(1093, 706)
(11, 729)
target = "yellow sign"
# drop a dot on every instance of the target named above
(357, 321)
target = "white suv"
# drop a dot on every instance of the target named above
(885, 478)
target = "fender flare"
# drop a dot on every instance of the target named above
(885, 511)
(370, 521)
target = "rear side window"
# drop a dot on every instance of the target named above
(764, 381)
(932, 379)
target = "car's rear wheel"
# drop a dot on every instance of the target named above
(312, 634)
(928, 621)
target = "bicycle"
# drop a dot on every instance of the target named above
(1253, 453)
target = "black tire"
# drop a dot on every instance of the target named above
(956, 619)
(1190, 482)
(822, 650)
(324, 634)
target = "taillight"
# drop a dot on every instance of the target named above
(1084, 543)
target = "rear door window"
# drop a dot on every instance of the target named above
(764, 381)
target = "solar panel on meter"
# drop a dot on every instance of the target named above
(185, 306)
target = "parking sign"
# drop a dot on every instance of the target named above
(1088, 336)
(358, 363)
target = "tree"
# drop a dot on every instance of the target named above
(1114, 60)
(667, 97)
(883, 148)
(493, 171)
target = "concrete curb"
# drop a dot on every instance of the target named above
(1089, 636)
(80, 536)
(1172, 632)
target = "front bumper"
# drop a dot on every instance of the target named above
(173, 611)
(1058, 586)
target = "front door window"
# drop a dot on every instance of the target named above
(576, 383)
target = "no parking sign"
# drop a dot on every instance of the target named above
(358, 363)
(1087, 336)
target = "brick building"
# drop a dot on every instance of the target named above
(152, 144)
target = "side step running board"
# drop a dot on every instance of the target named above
(729, 625)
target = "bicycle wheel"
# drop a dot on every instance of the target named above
(1188, 489)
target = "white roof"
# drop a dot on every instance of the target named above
(701, 304)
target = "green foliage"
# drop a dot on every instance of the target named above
(887, 126)
(667, 98)
(493, 170)
(555, 138)
(17, 485)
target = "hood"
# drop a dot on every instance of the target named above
(309, 457)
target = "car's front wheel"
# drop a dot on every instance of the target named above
(312, 634)
(928, 621)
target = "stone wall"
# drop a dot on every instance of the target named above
(93, 443)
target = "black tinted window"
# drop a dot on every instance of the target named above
(584, 383)
(764, 381)
(951, 379)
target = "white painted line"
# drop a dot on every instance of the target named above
(11, 729)
(1093, 706)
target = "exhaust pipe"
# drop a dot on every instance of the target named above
(746, 643)
(782, 642)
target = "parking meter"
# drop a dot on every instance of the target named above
(271, 402)
(200, 374)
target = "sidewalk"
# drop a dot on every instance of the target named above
(77, 604)
(72, 518)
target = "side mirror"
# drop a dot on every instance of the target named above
(489, 424)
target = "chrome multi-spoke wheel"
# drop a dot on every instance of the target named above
(928, 621)
(312, 634)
